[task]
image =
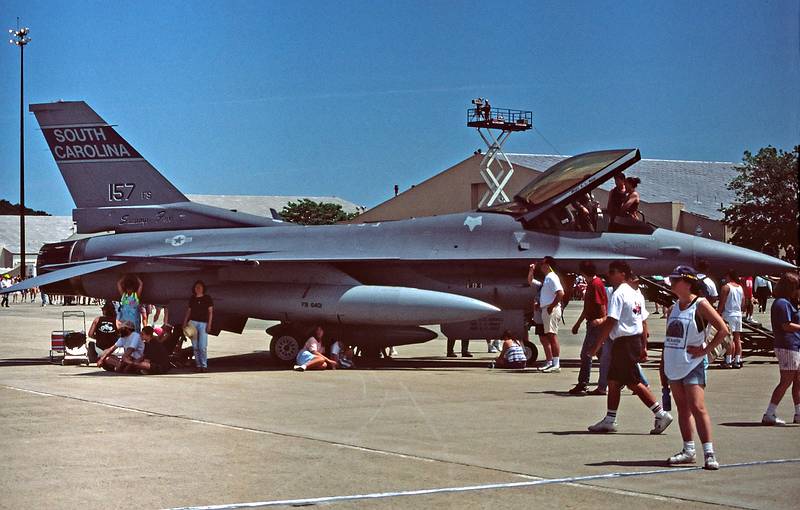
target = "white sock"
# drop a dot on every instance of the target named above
(708, 448)
(688, 446)
(548, 363)
(657, 410)
(728, 359)
(611, 415)
(556, 362)
(771, 408)
(738, 358)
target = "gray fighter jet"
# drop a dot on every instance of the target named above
(373, 284)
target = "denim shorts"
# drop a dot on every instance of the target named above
(696, 376)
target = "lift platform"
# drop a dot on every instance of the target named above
(496, 168)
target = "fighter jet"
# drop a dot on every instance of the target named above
(374, 285)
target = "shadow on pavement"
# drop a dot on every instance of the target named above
(587, 433)
(21, 362)
(634, 463)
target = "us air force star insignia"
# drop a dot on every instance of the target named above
(178, 240)
(473, 222)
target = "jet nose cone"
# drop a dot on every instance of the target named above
(722, 257)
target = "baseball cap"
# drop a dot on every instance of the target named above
(684, 272)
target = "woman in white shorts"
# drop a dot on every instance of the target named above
(685, 363)
(785, 319)
(731, 297)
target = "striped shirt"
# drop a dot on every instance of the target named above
(515, 353)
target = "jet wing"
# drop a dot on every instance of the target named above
(63, 274)
(563, 182)
(241, 260)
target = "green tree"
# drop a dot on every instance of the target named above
(764, 216)
(308, 212)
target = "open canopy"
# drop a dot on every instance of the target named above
(566, 180)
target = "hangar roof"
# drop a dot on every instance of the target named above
(699, 185)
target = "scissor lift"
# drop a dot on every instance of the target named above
(496, 168)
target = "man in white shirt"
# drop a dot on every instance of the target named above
(624, 324)
(550, 304)
(711, 293)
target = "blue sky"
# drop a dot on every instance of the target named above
(350, 98)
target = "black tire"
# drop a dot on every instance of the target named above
(531, 351)
(283, 349)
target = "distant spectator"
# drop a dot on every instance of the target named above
(133, 349)
(763, 290)
(731, 298)
(343, 354)
(747, 287)
(785, 319)
(200, 314)
(708, 289)
(5, 283)
(156, 357)
(312, 355)
(550, 303)
(130, 292)
(630, 208)
(595, 304)
(103, 331)
(616, 198)
(512, 355)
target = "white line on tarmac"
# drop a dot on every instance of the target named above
(537, 480)
(472, 488)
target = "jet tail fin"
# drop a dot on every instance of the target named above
(100, 167)
(113, 186)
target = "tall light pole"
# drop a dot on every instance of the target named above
(20, 38)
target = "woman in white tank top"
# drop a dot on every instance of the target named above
(684, 356)
(731, 297)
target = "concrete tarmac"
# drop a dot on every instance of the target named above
(414, 432)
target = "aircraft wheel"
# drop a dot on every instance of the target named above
(284, 349)
(531, 351)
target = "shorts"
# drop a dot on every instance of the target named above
(304, 357)
(551, 320)
(696, 376)
(625, 354)
(788, 359)
(735, 322)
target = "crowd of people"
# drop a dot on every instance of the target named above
(701, 323)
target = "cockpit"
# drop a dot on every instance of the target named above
(561, 198)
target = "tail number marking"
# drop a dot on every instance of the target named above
(120, 192)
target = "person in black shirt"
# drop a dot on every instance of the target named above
(104, 331)
(200, 314)
(155, 359)
(616, 198)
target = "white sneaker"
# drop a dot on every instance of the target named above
(683, 457)
(711, 462)
(551, 369)
(542, 368)
(492, 350)
(604, 426)
(771, 419)
(661, 424)
(299, 368)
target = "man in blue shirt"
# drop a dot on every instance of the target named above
(785, 319)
